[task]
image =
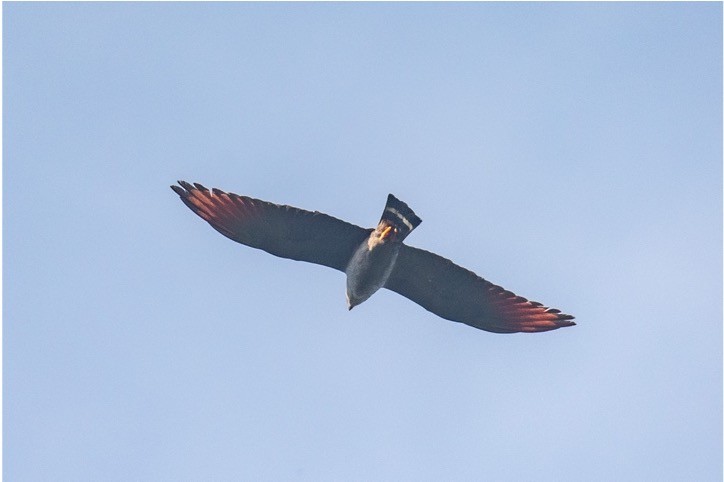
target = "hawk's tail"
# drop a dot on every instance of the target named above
(400, 216)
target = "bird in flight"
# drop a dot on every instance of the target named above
(371, 258)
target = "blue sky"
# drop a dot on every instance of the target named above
(571, 153)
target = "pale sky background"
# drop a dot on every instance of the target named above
(571, 153)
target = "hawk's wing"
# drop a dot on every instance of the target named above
(283, 231)
(454, 293)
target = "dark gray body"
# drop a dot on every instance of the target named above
(369, 269)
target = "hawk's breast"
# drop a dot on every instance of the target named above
(368, 270)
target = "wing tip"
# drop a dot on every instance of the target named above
(562, 320)
(178, 190)
(538, 320)
(187, 188)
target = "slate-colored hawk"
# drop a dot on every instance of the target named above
(372, 258)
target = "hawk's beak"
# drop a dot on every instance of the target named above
(386, 232)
